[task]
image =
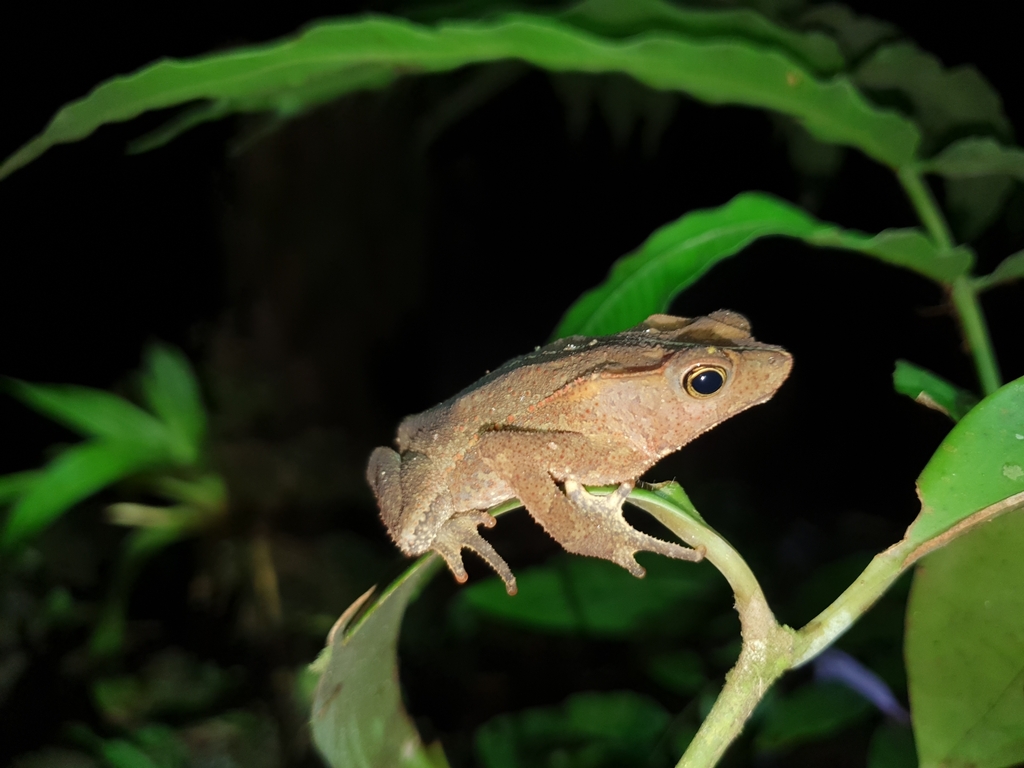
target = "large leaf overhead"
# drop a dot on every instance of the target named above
(334, 57)
(675, 256)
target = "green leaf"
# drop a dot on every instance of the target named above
(941, 100)
(300, 99)
(1009, 269)
(17, 484)
(856, 35)
(163, 744)
(119, 753)
(931, 390)
(892, 746)
(172, 392)
(328, 58)
(980, 462)
(680, 671)
(979, 171)
(108, 635)
(588, 729)
(811, 713)
(171, 683)
(626, 18)
(676, 255)
(965, 646)
(977, 156)
(597, 598)
(907, 248)
(975, 203)
(72, 477)
(358, 718)
(94, 413)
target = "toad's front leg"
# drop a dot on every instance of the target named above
(582, 522)
(460, 531)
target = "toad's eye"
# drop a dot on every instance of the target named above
(704, 380)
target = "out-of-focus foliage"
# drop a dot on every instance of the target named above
(124, 440)
(645, 281)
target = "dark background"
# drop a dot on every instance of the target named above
(333, 277)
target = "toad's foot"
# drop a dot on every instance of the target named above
(461, 531)
(610, 536)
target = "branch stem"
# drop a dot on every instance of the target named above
(963, 290)
(968, 308)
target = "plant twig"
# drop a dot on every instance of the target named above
(963, 290)
(968, 307)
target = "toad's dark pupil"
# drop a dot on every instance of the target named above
(707, 382)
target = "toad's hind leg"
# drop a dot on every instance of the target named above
(582, 522)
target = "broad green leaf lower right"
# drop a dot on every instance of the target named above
(965, 619)
(965, 649)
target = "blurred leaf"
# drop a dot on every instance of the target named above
(975, 203)
(856, 35)
(163, 745)
(965, 642)
(140, 546)
(941, 100)
(73, 476)
(810, 713)
(54, 757)
(94, 413)
(807, 155)
(980, 462)
(589, 730)
(676, 255)
(118, 753)
(977, 156)
(932, 391)
(908, 248)
(624, 103)
(358, 718)
(892, 746)
(626, 18)
(680, 671)
(119, 699)
(236, 739)
(207, 492)
(595, 597)
(817, 590)
(17, 484)
(331, 58)
(979, 171)
(172, 683)
(1009, 269)
(172, 392)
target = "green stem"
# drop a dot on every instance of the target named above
(963, 291)
(829, 625)
(767, 649)
(763, 659)
(927, 209)
(968, 306)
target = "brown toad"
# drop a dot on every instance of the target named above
(579, 411)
